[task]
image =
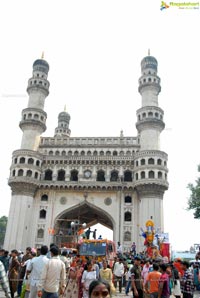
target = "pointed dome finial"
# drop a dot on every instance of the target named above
(65, 109)
(148, 52)
(42, 56)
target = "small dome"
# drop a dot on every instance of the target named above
(149, 62)
(64, 116)
(41, 65)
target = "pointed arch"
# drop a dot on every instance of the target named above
(114, 176)
(128, 176)
(48, 175)
(100, 175)
(61, 175)
(74, 175)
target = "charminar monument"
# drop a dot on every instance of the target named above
(117, 181)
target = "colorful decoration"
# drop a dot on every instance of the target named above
(149, 233)
(154, 242)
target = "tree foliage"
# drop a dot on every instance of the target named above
(194, 199)
(3, 223)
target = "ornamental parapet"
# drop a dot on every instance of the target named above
(150, 190)
(145, 86)
(79, 185)
(25, 124)
(151, 153)
(27, 152)
(146, 182)
(41, 84)
(88, 157)
(148, 123)
(24, 180)
(146, 109)
(26, 159)
(89, 142)
(23, 185)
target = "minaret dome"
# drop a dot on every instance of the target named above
(41, 65)
(148, 63)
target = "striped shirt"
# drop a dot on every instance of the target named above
(4, 280)
(187, 282)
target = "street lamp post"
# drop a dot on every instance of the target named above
(75, 225)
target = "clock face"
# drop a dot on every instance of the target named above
(87, 174)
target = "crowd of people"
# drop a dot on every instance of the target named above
(52, 273)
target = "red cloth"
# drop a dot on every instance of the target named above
(164, 251)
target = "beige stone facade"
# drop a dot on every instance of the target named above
(116, 181)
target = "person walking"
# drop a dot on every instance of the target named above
(187, 282)
(4, 258)
(13, 272)
(136, 278)
(88, 276)
(22, 269)
(106, 275)
(53, 277)
(4, 280)
(145, 270)
(163, 288)
(174, 277)
(34, 268)
(118, 272)
(152, 281)
(72, 287)
(129, 278)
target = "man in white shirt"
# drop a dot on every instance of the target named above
(119, 248)
(35, 267)
(53, 277)
(118, 273)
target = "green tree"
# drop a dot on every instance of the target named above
(3, 223)
(194, 199)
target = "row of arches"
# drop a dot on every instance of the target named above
(27, 160)
(150, 175)
(26, 173)
(30, 116)
(149, 80)
(100, 175)
(90, 153)
(38, 82)
(90, 162)
(150, 114)
(150, 161)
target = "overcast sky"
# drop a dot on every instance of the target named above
(94, 49)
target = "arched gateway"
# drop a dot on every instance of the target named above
(116, 181)
(83, 215)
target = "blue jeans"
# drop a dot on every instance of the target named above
(49, 295)
(128, 286)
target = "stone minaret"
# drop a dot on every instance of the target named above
(33, 122)
(25, 171)
(63, 125)
(150, 163)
